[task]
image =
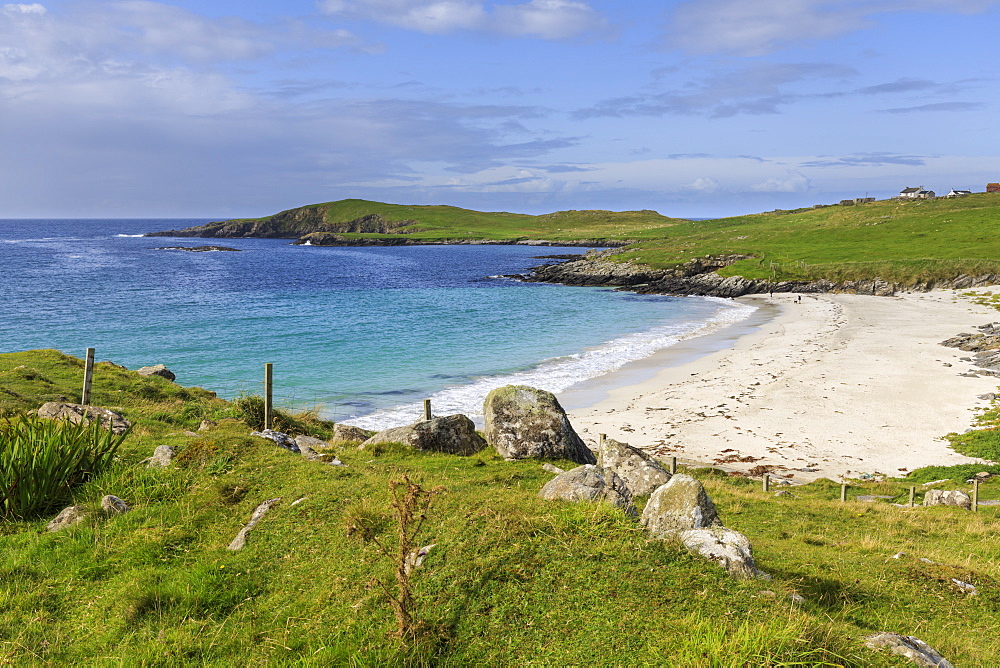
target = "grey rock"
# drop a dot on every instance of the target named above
(241, 538)
(552, 468)
(523, 422)
(67, 517)
(112, 505)
(207, 424)
(453, 434)
(345, 433)
(914, 649)
(156, 370)
(280, 439)
(78, 413)
(969, 589)
(307, 447)
(730, 549)
(641, 473)
(590, 483)
(952, 497)
(677, 506)
(163, 456)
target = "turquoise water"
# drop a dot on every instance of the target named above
(364, 334)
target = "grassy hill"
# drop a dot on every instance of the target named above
(512, 579)
(435, 223)
(897, 241)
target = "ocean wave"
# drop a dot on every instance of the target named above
(129, 236)
(560, 373)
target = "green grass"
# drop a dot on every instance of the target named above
(897, 241)
(513, 579)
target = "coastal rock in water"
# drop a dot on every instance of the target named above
(345, 433)
(307, 446)
(730, 549)
(590, 483)
(677, 506)
(67, 517)
(641, 473)
(280, 439)
(162, 457)
(952, 497)
(453, 434)
(914, 649)
(78, 413)
(156, 370)
(524, 422)
(112, 505)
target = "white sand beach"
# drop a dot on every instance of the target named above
(835, 386)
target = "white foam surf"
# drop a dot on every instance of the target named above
(558, 374)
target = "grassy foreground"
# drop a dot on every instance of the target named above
(512, 579)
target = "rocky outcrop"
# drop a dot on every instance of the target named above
(307, 447)
(280, 439)
(452, 434)
(730, 549)
(914, 649)
(78, 413)
(641, 473)
(157, 370)
(985, 344)
(523, 422)
(679, 505)
(699, 277)
(952, 497)
(590, 483)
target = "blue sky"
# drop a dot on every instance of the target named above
(695, 108)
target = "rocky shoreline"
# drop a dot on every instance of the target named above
(699, 277)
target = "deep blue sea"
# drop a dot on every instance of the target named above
(363, 334)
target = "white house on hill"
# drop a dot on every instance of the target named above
(915, 193)
(958, 193)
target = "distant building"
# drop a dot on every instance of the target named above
(958, 193)
(915, 193)
(856, 200)
(993, 187)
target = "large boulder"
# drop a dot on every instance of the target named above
(641, 473)
(163, 456)
(157, 370)
(590, 483)
(77, 413)
(307, 447)
(950, 497)
(524, 422)
(453, 434)
(730, 549)
(679, 505)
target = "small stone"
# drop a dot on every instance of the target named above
(280, 439)
(162, 457)
(969, 589)
(67, 517)
(241, 538)
(112, 505)
(307, 445)
(552, 468)
(914, 649)
(796, 599)
(157, 370)
(207, 424)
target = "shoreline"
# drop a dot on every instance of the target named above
(836, 386)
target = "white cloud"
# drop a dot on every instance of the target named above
(547, 19)
(704, 184)
(20, 8)
(791, 182)
(756, 27)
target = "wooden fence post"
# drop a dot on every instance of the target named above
(427, 410)
(673, 465)
(975, 495)
(268, 395)
(767, 482)
(912, 494)
(88, 376)
(843, 492)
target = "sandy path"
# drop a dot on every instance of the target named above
(837, 385)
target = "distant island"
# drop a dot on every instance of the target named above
(869, 247)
